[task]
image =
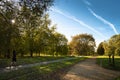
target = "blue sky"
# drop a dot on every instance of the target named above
(101, 18)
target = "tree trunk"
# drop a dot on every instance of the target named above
(8, 53)
(36, 53)
(113, 60)
(39, 53)
(109, 59)
(31, 53)
(22, 54)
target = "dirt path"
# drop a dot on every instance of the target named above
(89, 70)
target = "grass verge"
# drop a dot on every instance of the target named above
(118, 78)
(103, 61)
(44, 72)
(28, 60)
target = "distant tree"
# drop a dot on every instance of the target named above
(60, 44)
(100, 49)
(82, 44)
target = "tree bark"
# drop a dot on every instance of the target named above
(109, 59)
(31, 53)
(113, 60)
(39, 53)
(8, 53)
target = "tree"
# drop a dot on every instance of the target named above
(100, 49)
(8, 29)
(27, 16)
(112, 48)
(31, 13)
(36, 7)
(82, 44)
(60, 44)
(117, 51)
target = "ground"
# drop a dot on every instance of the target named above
(89, 70)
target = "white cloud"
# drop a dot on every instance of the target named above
(103, 20)
(87, 3)
(78, 21)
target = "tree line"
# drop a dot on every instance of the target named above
(26, 28)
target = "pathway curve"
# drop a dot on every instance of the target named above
(89, 70)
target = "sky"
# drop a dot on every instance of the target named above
(100, 18)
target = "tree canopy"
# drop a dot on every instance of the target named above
(100, 49)
(82, 44)
(25, 27)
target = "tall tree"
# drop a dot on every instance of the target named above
(112, 47)
(31, 12)
(83, 44)
(8, 26)
(60, 44)
(27, 15)
(114, 44)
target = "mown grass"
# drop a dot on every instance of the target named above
(44, 72)
(117, 78)
(27, 60)
(103, 61)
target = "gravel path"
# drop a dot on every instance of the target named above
(89, 70)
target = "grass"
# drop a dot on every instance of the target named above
(117, 78)
(103, 61)
(27, 60)
(44, 72)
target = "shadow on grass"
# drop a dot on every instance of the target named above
(51, 71)
(104, 62)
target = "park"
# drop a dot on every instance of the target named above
(38, 41)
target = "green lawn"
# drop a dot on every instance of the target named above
(28, 60)
(103, 61)
(117, 78)
(44, 72)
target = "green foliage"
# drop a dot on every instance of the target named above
(43, 72)
(117, 78)
(100, 49)
(104, 62)
(112, 48)
(37, 7)
(117, 51)
(31, 30)
(27, 60)
(82, 44)
(9, 31)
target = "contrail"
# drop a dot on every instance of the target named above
(78, 21)
(87, 3)
(103, 20)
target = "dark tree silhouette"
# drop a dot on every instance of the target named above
(100, 49)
